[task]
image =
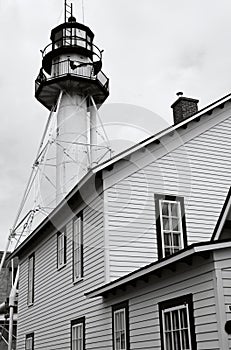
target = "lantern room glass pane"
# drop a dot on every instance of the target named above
(58, 39)
(81, 37)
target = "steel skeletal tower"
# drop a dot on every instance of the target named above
(72, 86)
(71, 74)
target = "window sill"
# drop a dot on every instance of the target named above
(78, 280)
(61, 267)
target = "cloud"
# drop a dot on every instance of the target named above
(152, 50)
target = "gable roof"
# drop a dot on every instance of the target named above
(225, 213)
(97, 171)
(156, 137)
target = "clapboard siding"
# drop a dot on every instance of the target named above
(144, 323)
(223, 264)
(57, 299)
(198, 170)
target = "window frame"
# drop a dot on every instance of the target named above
(178, 303)
(31, 279)
(61, 234)
(29, 336)
(117, 308)
(159, 224)
(74, 323)
(79, 276)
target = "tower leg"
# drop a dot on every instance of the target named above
(93, 136)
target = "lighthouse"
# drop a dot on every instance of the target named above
(71, 83)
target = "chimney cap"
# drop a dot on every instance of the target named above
(183, 108)
(183, 98)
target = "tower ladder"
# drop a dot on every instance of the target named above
(68, 12)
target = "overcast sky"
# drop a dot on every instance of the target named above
(153, 49)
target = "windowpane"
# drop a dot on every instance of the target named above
(185, 340)
(122, 340)
(165, 209)
(183, 318)
(166, 224)
(77, 248)
(176, 240)
(29, 342)
(175, 249)
(174, 209)
(171, 226)
(61, 249)
(77, 336)
(81, 38)
(168, 341)
(31, 280)
(175, 320)
(175, 225)
(167, 321)
(120, 330)
(168, 251)
(176, 340)
(167, 239)
(176, 328)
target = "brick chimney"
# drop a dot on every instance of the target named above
(183, 108)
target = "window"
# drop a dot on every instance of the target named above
(120, 323)
(56, 66)
(61, 249)
(29, 341)
(81, 35)
(78, 334)
(78, 247)
(177, 324)
(170, 224)
(30, 296)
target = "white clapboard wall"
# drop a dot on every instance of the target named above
(57, 300)
(194, 163)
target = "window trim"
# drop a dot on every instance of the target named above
(158, 198)
(175, 303)
(29, 335)
(80, 275)
(121, 306)
(80, 320)
(31, 302)
(59, 234)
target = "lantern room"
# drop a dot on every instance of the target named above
(67, 39)
(71, 61)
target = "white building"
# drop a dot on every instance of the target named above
(137, 254)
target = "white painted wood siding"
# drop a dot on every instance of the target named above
(223, 266)
(57, 300)
(226, 275)
(144, 298)
(194, 163)
(51, 320)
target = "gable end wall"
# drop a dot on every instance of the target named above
(194, 164)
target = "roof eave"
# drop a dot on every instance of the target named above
(198, 248)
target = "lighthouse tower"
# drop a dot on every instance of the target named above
(72, 83)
